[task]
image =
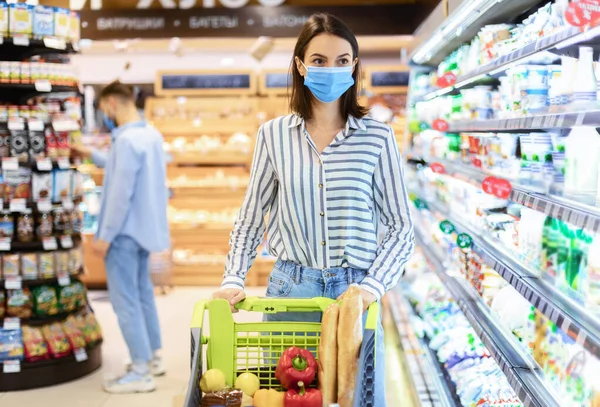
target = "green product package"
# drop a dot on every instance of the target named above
(80, 294)
(45, 301)
(67, 298)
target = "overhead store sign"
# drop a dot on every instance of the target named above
(183, 4)
(252, 21)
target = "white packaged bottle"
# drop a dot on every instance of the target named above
(584, 85)
(582, 158)
(568, 77)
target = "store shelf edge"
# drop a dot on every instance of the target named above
(428, 358)
(570, 317)
(566, 210)
(532, 392)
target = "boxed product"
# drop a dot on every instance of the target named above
(10, 265)
(20, 19)
(62, 22)
(41, 185)
(61, 262)
(3, 19)
(11, 344)
(45, 301)
(14, 72)
(17, 183)
(43, 21)
(19, 303)
(61, 185)
(46, 265)
(25, 72)
(57, 340)
(63, 143)
(29, 266)
(4, 137)
(51, 143)
(35, 345)
(4, 68)
(74, 27)
(37, 144)
(19, 145)
(67, 298)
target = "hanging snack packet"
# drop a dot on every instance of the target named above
(19, 303)
(76, 338)
(45, 300)
(11, 344)
(35, 345)
(57, 340)
(67, 300)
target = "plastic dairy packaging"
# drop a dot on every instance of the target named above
(582, 157)
(585, 86)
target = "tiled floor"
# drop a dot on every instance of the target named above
(175, 312)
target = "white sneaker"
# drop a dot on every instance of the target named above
(157, 367)
(131, 382)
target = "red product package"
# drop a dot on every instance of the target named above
(58, 342)
(35, 345)
(74, 334)
(63, 144)
(51, 143)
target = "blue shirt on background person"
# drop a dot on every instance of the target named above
(134, 204)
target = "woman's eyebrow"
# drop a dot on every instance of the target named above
(344, 55)
(319, 55)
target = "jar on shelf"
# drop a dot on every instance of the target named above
(44, 225)
(25, 227)
(77, 220)
(7, 225)
(62, 222)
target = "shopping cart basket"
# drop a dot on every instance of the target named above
(255, 347)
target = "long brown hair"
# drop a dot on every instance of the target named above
(302, 99)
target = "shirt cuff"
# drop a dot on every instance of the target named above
(233, 281)
(373, 286)
(98, 158)
(106, 235)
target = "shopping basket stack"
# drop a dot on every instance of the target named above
(255, 347)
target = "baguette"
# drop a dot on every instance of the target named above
(328, 353)
(350, 336)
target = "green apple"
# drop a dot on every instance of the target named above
(213, 380)
(248, 383)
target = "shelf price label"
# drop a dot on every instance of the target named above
(55, 43)
(464, 241)
(11, 366)
(44, 205)
(63, 163)
(447, 79)
(13, 283)
(583, 13)
(49, 243)
(10, 164)
(447, 227)
(43, 85)
(64, 279)
(502, 188)
(44, 164)
(5, 244)
(68, 204)
(80, 355)
(18, 205)
(66, 242)
(12, 324)
(488, 185)
(21, 40)
(438, 168)
(440, 125)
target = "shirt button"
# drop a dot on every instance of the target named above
(323, 243)
(320, 162)
(322, 214)
(320, 185)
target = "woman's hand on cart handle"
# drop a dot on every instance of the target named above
(232, 295)
(367, 298)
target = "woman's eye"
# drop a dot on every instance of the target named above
(344, 61)
(317, 61)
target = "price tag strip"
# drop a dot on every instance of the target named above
(18, 205)
(11, 366)
(10, 163)
(64, 163)
(5, 244)
(66, 242)
(43, 85)
(49, 243)
(12, 323)
(13, 283)
(80, 355)
(44, 164)
(64, 279)
(44, 205)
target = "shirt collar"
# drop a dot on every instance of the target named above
(352, 123)
(117, 131)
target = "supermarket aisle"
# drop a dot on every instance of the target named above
(175, 312)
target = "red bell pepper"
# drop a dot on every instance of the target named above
(296, 365)
(303, 397)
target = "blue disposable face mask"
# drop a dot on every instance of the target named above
(328, 84)
(109, 123)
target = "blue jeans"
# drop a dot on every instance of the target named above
(294, 281)
(132, 296)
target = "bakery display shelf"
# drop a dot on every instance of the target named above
(17, 49)
(430, 380)
(51, 372)
(522, 373)
(209, 159)
(570, 316)
(38, 246)
(45, 281)
(555, 43)
(214, 191)
(48, 319)
(547, 121)
(564, 208)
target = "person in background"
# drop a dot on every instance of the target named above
(329, 177)
(132, 223)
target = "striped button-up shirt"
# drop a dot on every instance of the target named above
(325, 209)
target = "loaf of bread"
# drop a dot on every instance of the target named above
(328, 354)
(350, 336)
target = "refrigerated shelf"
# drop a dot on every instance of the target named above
(525, 377)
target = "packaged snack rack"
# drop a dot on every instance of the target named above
(255, 347)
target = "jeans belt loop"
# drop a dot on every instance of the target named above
(350, 276)
(297, 273)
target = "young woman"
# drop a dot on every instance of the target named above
(327, 176)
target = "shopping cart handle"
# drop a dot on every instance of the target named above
(276, 305)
